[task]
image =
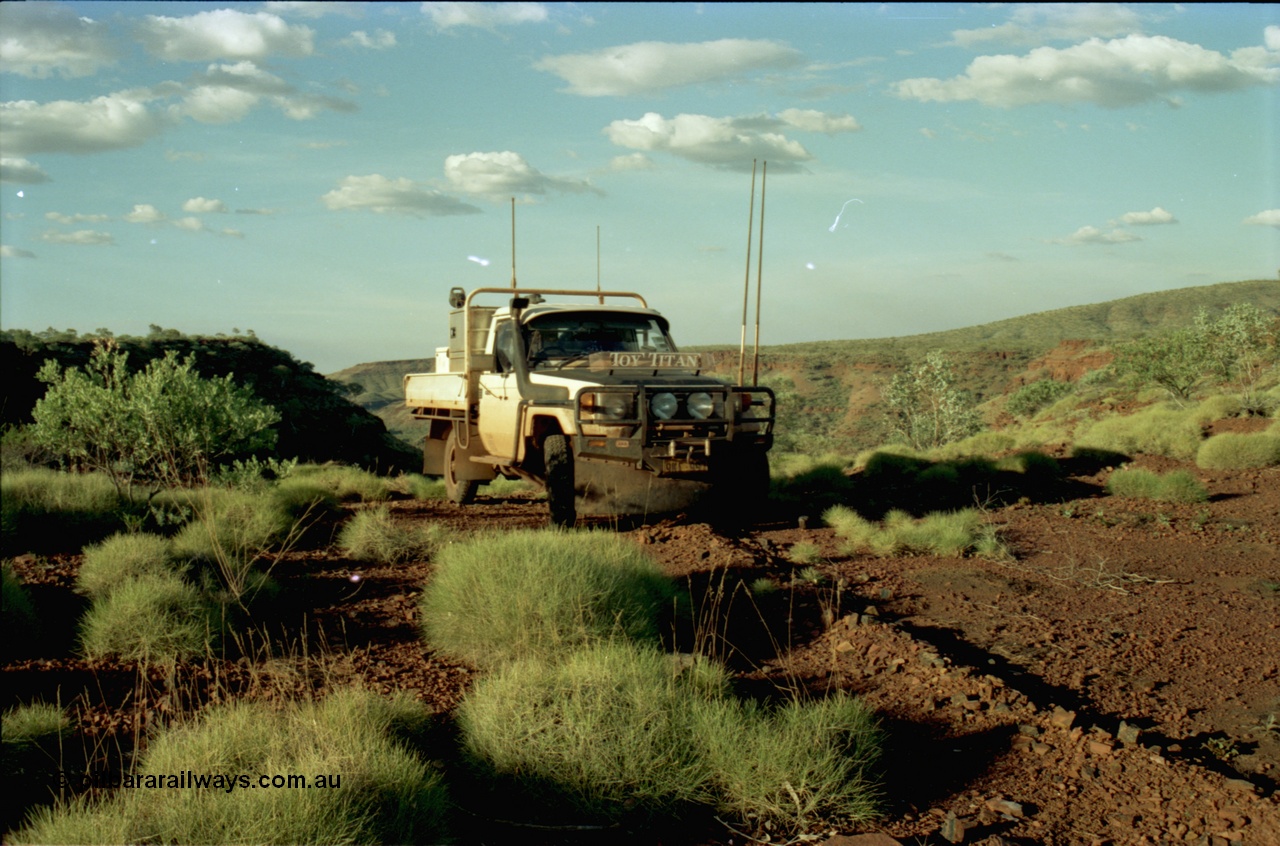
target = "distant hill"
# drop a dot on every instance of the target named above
(832, 387)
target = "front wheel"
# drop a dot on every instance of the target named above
(740, 492)
(558, 461)
(459, 491)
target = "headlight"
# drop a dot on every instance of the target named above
(664, 405)
(702, 405)
(608, 405)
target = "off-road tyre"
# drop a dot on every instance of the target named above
(558, 460)
(740, 492)
(459, 491)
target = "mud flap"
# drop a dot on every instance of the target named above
(610, 489)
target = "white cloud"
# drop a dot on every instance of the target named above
(631, 161)
(112, 122)
(190, 224)
(200, 205)
(483, 15)
(81, 237)
(1093, 235)
(811, 120)
(1271, 37)
(650, 66)
(308, 9)
(377, 193)
(722, 142)
(505, 174)
(1122, 72)
(145, 213)
(7, 251)
(41, 39)
(223, 34)
(68, 219)
(1037, 23)
(380, 40)
(1270, 217)
(21, 172)
(217, 104)
(1146, 218)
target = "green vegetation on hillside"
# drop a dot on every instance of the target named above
(318, 422)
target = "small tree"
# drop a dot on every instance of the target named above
(926, 409)
(1177, 361)
(1242, 345)
(165, 424)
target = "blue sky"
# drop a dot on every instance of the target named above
(324, 173)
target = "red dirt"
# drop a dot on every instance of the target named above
(1116, 682)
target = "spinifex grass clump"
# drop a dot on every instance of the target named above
(1155, 430)
(541, 594)
(50, 511)
(1174, 486)
(122, 557)
(803, 762)
(384, 793)
(18, 616)
(601, 733)
(229, 537)
(1235, 451)
(615, 730)
(371, 535)
(942, 533)
(157, 617)
(347, 483)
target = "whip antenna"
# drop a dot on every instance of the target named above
(755, 366)
(513, 243)
(746, 282)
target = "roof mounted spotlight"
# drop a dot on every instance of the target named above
(457, 297)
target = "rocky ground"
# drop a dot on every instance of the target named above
(1115, 681)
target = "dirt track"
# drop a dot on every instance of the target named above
(1118, 681)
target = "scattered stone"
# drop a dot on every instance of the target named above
(1098, 747)
(1128, 735)
(1062, 718)
(1006, 807)
(874, 839)
(953, 829)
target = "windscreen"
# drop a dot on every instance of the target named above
(557, 339)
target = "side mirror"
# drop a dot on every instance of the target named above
(519, 303)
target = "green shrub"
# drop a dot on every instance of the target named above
(794, 766)
(154, 618)
(122, 557)
(940, 533)
(539, 594)
(163, 424)
(1155, 430)
(1235, 451)
(371, 535)
(1029, 399)
(1174, 486)
(52, 511)
(386, 793)
(604, 732)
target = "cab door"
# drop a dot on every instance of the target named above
(500, 396)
